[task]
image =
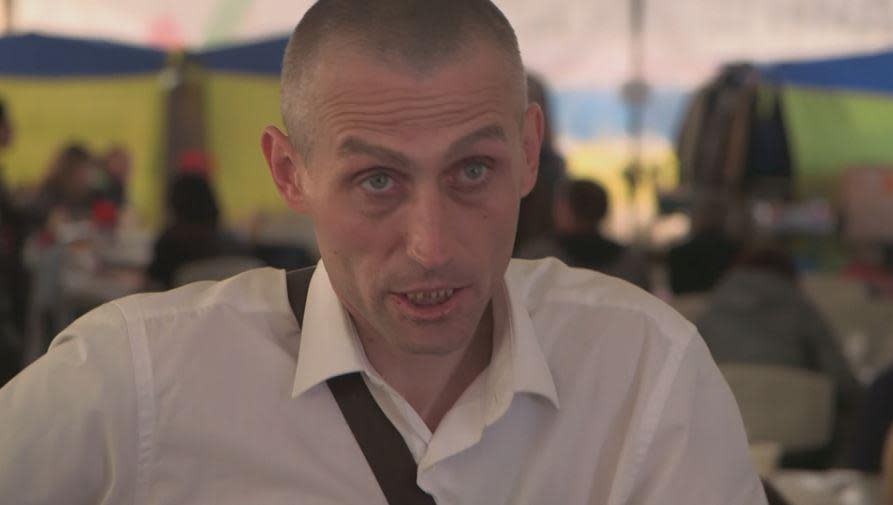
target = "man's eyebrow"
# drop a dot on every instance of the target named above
(489, 132)
(353, 146)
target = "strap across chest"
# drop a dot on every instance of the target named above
(384, 448)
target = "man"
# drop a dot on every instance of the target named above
(409, 144)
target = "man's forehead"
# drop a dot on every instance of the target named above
(351, 82)
(357, 78)
(352, 145)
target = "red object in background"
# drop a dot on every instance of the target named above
(194, 161)
(105, 214)
(164, 32)
(878, 279)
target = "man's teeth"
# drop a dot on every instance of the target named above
(429, 297)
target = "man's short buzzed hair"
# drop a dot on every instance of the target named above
(420, 34)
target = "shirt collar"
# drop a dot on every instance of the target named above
(518, 364)
(330, 347)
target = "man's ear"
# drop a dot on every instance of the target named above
(532, 139)
(286, 167)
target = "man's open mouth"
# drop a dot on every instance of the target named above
(433, 297)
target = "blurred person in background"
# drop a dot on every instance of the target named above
(535, 216)
(874, 422)
(758, 314)
(114, 171)
(193, 233)
(695, 265)
(69, 187)
(14, 280)
(578, 211)
(887, 478)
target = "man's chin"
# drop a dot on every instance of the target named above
(435, 338)
(433, 346)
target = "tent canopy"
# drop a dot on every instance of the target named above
(262, 57)
(60, 91)
(33, 55)
(862, 72)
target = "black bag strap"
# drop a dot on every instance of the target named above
(297, 284)
(384, 448)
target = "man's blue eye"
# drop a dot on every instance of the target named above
(475, 170)
(377, 182)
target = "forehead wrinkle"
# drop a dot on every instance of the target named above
(489, 132)
(352, 145)
(376, 125)
(392, 115)
(393, 122)
(404, 107)
(405, 101)
(389, 92)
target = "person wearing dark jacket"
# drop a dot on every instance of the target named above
(14, 279)
(697, 264)
(579, 209)
(193, 234)
(875, 421)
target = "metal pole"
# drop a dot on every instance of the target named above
(635, 94)
(7, 17)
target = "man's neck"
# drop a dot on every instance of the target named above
(433, 383)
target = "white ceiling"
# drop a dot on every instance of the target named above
(574, 43)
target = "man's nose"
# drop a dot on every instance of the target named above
(430, 231)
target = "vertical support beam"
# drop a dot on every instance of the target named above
(185, 114)
(6, 14)
(635, 95)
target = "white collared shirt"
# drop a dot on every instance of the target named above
(596, 394)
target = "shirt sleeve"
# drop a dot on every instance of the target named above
(698, 452)
(68, 421)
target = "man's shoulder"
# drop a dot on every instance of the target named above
(549, 289)
(254, 290)
(201, 309)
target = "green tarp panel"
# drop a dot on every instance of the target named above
(830, 131)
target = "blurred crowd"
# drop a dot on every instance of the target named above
(72, 241)
(742, 289)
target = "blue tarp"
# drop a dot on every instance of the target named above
(33, 55)
(263, 57)
(868, 72)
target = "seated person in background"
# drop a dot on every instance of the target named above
(875, 421)
(580, 207)
(888, 470)
(113, 174)
(757, 314)
(14, 279)
(67, 191)
(694, 266)
(194, 232)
